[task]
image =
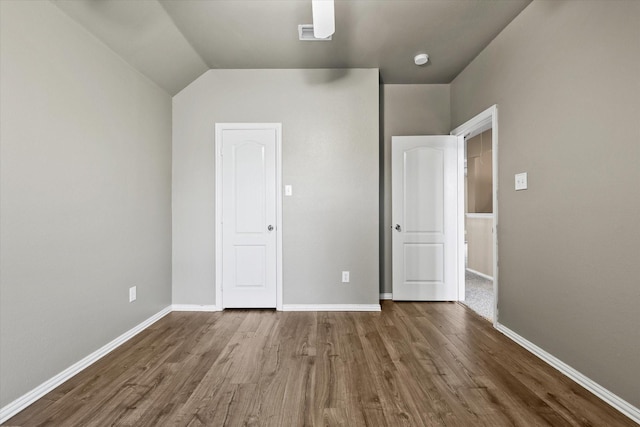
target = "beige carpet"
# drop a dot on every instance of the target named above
(479, 295)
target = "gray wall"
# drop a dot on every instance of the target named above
(85, 203)
(406, 110)
(566, 78)
(330, 156)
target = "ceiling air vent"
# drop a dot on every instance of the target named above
(305, 33)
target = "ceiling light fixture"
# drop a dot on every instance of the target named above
(421, 59)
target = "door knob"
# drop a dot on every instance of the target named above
(270, 228)
(397, 227)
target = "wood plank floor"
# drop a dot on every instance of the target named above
(413, 364)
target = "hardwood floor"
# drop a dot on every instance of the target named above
(413, 364)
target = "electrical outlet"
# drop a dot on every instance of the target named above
(132, 294)
(345, 277)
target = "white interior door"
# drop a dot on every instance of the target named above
(425, 217)
(249, 216)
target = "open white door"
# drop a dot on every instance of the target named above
(248, 219)
(424, 182)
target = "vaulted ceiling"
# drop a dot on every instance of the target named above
(174, 41)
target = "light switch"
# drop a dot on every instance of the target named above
(288, 190)
(521, 181)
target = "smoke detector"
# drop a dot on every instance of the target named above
(421, 59)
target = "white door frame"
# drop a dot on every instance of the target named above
(488, 118)
(219, 127)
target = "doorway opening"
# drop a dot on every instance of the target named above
(478, 222)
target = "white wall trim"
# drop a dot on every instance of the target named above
(218, 128)
(460, 193)
(488, 119)
(386, 295)
(331, 307)
(617, 402)
(486, 276)
(479, 215)
(27, 399)
(194, 307)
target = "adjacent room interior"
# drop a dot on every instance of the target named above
(478, 236)
(133, 131)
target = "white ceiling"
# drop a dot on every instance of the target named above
(174, 41)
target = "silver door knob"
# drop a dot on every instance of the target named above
(397, 227)
(270, 228)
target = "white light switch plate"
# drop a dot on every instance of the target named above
(288, 190)
(132, 294)
(345, 277)
(521, 181)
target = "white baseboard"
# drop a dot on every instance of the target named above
(331, 307)
(486, 276)
(27, 399)
(195, 307)
(288, 307)
(617, 402)
(386, 295)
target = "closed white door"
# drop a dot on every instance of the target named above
(248, 220)
(425, 218)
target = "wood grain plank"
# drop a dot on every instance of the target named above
(413, 364)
